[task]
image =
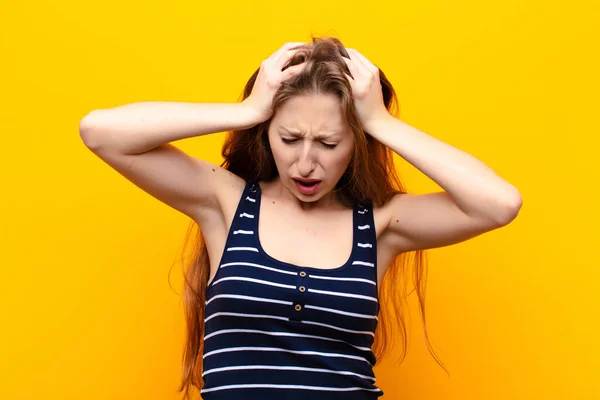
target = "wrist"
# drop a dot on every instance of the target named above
(374, 124)
(250, 116)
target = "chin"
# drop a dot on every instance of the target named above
(309, 199)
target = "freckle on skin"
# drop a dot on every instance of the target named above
(213, 170)
(396, 220)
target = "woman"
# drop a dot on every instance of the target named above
(289, 307)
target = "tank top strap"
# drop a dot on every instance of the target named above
(365, 251)
(249, 205)
(365, 236)
(251, 199)
(244, 227)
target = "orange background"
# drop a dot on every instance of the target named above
(87, 310)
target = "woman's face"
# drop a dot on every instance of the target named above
(311, 141)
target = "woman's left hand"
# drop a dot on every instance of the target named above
(366, 88)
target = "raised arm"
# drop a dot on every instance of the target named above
(134, 139)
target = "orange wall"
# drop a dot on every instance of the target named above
(87, 310)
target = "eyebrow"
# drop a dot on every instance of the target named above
(318, 137)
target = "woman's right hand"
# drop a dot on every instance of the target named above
(269, 78)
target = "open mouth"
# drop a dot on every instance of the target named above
(307, 183)
(307, 187)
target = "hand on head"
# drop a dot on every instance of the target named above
(270, 76)
(364, 79)
(366, 87)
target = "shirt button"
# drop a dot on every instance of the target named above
(302, 288)
(303, 274)
(297, 307)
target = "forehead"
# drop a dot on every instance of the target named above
(318, 113)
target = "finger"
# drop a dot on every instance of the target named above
(285, 58)
(289, 45)
(364, 61)
(285, 49)
(350, 79)
(291, 71)
(352, 67)
(272, 59)
(360, 66)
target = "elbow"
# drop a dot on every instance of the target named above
(89, 135)
(510, 209)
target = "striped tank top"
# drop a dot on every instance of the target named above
(274, 330)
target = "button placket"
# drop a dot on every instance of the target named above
(301, 289)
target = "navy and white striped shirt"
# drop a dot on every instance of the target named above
(274, 330)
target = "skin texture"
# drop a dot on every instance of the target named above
(310, 139)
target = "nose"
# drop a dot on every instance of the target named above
(306, 162)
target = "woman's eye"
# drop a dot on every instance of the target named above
(290, 141)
